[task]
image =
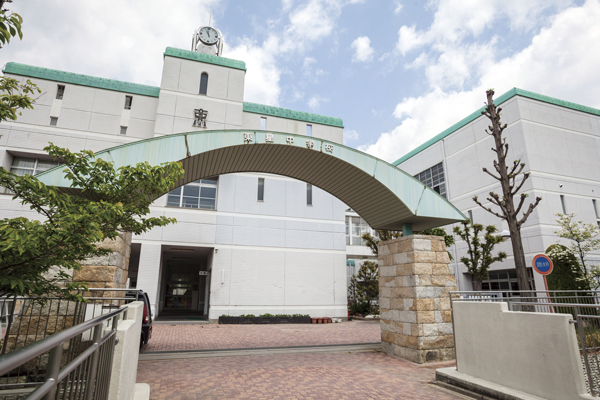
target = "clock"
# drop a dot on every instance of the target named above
(208, 35)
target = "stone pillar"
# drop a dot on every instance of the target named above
(414, 281)
(110, 271)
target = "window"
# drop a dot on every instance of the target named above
(308, 194)
(562, 204)
(308, 130)
(596, 211)
(355, 228)
(123, 130)
(60, 92)
(198, 194)
(128, 101)
(261, 189)
(434, 178)
(471, 215)
(30, 166)
(263, 123)
(506, 280)
(203, 83)
(53, 121)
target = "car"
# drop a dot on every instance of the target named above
(142, 296)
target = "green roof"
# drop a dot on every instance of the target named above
(80, 79)
(207, 58)
(499, 100)
(291, 114)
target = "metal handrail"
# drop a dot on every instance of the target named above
(20, 356)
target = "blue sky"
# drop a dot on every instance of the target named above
(396, 72)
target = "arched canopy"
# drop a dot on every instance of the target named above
(385, 196)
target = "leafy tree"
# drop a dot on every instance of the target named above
(508, 178)
(480, 256)
(13, 94)
(584, 238)
(566, 274)
(36, 255)
(364, 288)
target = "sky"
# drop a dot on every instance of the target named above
(397, 72)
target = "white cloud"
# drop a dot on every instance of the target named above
(398, 8)
(350, 136)
(363, 51)
(558, 63)
(315, 102)
(310, 71)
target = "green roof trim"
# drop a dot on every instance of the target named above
(207, 58)
(291, 114)
(499, 100)
(79, 79)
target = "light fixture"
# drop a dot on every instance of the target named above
(505, 234)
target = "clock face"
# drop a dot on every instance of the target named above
(208, 35)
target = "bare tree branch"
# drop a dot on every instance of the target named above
(529, 211)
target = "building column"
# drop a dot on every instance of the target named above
(149, 273)
(109, 271)
(414, 281)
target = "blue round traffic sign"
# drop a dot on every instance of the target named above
(542, 264)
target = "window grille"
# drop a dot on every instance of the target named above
(60, 92)
(434, 178)
(128, 102)
(261, 189)
(201, 194)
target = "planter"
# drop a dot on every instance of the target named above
(229, 320)
(263, 320)
(319, 320)
(284, 320)
(313, 320)
(302, 320)
(246, 320)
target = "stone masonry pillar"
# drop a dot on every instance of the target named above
(414, 281)
(110, 271)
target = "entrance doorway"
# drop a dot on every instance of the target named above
(185, 284)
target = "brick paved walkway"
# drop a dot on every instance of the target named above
(201, 337)
(291, 376)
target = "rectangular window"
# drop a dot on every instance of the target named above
(434, 178)
(29, 166)
(128, 102)
(308, 130)
(596, 208)
(261, 189)
(308, 194)
(355, 228)
(263, 123)
(53, 121)
(201, 194)
(562, 204)
(506, 281)
(471, 215)
(60, 92)
(123, 130)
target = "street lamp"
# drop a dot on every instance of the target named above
(505, 234)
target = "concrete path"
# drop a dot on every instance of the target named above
(347, 375)
(213, 336)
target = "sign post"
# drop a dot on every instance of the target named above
(542, 264)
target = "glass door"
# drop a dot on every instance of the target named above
(181, 282)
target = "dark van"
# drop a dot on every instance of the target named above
(147, 316)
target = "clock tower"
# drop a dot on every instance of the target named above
(207, 40)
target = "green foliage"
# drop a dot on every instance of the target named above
(300, 315)
(37, 255)
(372, 241)
(566, 274)
(14, 97)
(10, 24)
(364, 288)
(283, 315)
(479, 252)
(247, 316)
(266, 315)
(448, 239)
(584, 238)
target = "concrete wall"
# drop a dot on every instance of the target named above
(561, 149)
(125, 357)
(531, 352)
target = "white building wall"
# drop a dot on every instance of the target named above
(561, 150)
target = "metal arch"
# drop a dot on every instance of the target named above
(385, 196)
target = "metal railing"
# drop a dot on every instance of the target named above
(87, 376)
(583, 306)
(26, 320)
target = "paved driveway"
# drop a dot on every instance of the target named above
(291, 376)
(212, 336)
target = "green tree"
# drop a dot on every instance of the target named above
(372, 241)
(508, 177)
(584, 238)
(37, 255)
(566, 274)
(479, 252)
(364, 288)
(10, 24)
